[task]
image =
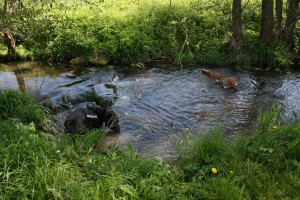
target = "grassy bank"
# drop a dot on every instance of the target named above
(189, 32)
(34, 165)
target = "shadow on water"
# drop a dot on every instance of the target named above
(156, 106)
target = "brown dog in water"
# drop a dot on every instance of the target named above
(228, 82)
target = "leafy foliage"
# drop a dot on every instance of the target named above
(189, 32)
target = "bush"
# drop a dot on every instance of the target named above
(189, 32)
(132, 32)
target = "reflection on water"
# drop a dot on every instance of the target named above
(155, 106)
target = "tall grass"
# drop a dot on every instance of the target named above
(17, 104)
(270, 118)
(263, 165)
(200, 156)
(35, 165)
(130, 32)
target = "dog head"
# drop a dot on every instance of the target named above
(230, 83)
(97, 110)
(111, 120)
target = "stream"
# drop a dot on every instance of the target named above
(157, 105)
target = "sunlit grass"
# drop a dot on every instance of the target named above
(19, 105)
(270, 118)
(135, 31)
(35, 165)
(3, 49)
(24, 53)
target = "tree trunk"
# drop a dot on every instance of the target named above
(8, 35)
(291, 20)
(266, 31)
(10, 43)
(278, 10)
(237, 29)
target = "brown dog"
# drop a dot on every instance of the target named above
(228, 82)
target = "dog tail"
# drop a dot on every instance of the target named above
(206, 71)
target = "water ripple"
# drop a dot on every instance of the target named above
(156, 106)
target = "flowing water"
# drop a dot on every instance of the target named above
(156, 106)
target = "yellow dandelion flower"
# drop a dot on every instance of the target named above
(274, 127)
(214, 170)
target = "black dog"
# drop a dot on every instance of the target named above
(91, 117)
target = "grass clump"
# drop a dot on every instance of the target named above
(23, 153)
(270, 162)
(17, 104)
(34, 165)
(200, 156)
(262, 165)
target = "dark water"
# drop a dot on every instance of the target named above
(157, 105)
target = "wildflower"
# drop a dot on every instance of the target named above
(274, 127)
(214, 170)
(231, 172)
(58, 151)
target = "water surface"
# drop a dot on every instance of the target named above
(157, 105)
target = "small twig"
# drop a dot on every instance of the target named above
(245, 5)
(183, 46)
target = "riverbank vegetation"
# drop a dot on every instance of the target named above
(208, 33)
(36, 165)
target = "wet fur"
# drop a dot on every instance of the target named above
(228, 82)
(91, 117)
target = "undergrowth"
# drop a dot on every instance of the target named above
(132, 32)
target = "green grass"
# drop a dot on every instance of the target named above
(3, 49)
(22, 52)
(131, 32)
(17, 104)
(35, 165)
